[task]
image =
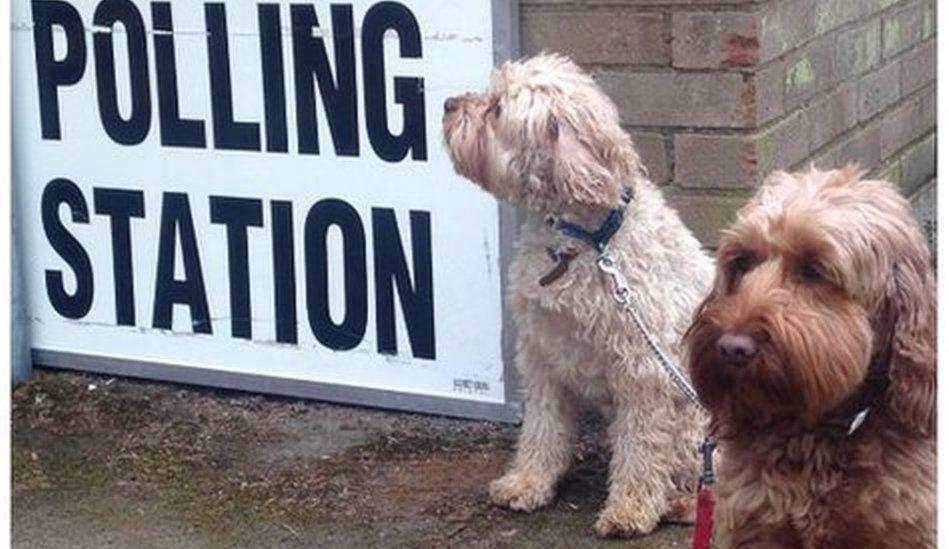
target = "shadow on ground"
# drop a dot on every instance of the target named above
(104, 462)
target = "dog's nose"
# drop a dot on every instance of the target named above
(451, 104)
(737, 349)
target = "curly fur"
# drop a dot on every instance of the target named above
(546, 138)
(826, 272)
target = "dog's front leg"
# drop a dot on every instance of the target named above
(640, 477)
(546, 441)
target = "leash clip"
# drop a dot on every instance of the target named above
(707, 478)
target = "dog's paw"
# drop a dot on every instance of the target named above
(521, 492)
(624, 523)
(681, 509)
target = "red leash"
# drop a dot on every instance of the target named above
(705, 500)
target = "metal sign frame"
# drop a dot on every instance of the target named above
(505, 17)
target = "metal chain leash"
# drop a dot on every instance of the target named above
(622, 294)
(705, 503)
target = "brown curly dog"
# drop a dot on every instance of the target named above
(815, 353)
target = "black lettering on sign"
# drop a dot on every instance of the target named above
(351, 330)
(121, 205)
(50, 72)
(392, 274)
(175, 131)
(75, 305)
(228, 133)
(271, 60)
(409, 92)
(176, 220)
(284, 269)
(134, 130)
(237, 214)
(339, 97)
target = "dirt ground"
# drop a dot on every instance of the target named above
(105, 462)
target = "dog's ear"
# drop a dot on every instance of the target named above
(909, 308)
(578, 175)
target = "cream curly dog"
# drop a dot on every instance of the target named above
(816, 355)
(546, 138)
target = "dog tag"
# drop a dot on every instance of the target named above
(858, 420)
(563, 259)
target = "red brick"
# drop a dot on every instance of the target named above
(923, 202)
(717, 93)
(889, 171)
(651, 147)
(660, 2)
(832, 116)
(879, 90)
(862, 148)
(715, 161)
(597, 36)
(929, 18)
(826, 159)
(809, 72)
(903, 29)
(783, 144)
(786, 25)
(858, 49)
(769, 91)
(918, 164)
(834, 13)
(705, 215)
(918, 68)
(714, 39)
(911, 119)
(722, 100)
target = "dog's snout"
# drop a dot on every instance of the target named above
(451, 104)
(737, 349)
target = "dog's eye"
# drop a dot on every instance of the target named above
(741, 265)
(496, 109)
(737, 268)
(809, 271)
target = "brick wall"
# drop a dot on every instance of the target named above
(718, 93)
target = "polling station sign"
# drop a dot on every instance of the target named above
(255, 195)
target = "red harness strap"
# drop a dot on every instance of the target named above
(705, 500)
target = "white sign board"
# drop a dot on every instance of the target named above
(255, 195)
